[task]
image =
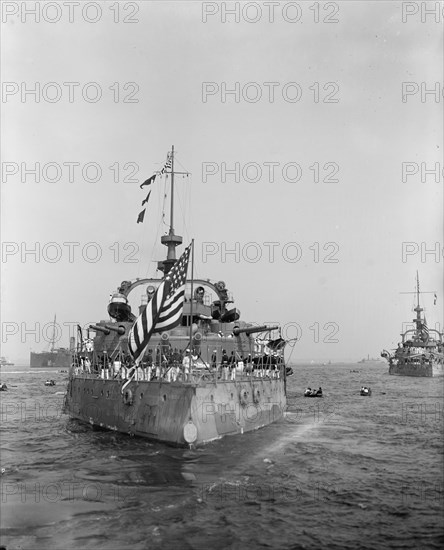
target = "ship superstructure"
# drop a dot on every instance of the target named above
(211, 375)
(420, 352)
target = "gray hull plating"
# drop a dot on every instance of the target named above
(416, 369)
(176, 412)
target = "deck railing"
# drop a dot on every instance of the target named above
(177, 373)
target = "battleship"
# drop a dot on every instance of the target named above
(187, 370)
(5, 363)
(55, 357)
(420, 352)
(369, 359)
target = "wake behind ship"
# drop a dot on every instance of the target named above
(420, 352)
(188, 369)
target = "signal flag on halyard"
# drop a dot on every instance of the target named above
(147, 199)
(141, 216)
(435, 298)
(163, 311)
(149, 181)
(167, 165)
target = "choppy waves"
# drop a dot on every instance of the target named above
(340, 472)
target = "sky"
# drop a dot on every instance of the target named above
(309, 132)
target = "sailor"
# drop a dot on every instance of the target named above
(199, 294)
(87, 365)
(232, 365)
(214, 359)
(171, 374)
(225, 364)
(186, 364)
(149, 363)
(177, 356)
(240, 365)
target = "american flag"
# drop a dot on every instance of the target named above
(425, 330)
(168, 164)
(164, 311)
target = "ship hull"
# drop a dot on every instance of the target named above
(417, 369)
(176, 413)
(50, 360)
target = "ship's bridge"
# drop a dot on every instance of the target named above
(203, 299)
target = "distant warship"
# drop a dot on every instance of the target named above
(55, 357)
(187, 370)
(369, 359)
(420, 353)
(5, 363)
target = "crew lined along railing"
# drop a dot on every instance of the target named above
(176, 373)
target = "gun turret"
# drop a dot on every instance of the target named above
(119, 329)
(252, 330)
(105, 330)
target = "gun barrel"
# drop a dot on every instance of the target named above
(119, 329)
(252, 330)
(105, 330)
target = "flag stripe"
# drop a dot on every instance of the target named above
(164, 311)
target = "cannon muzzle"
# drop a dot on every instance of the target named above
(252, 330)
(120, 329)
(105, 330)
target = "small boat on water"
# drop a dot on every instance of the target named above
(50, 383)
(3, 386)
(313, 393)
(365, 391)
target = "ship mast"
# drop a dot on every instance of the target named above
(171, 240)
(53, 333)
(418, 308)
(418, 320)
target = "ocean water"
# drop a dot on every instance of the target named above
(345, 472)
